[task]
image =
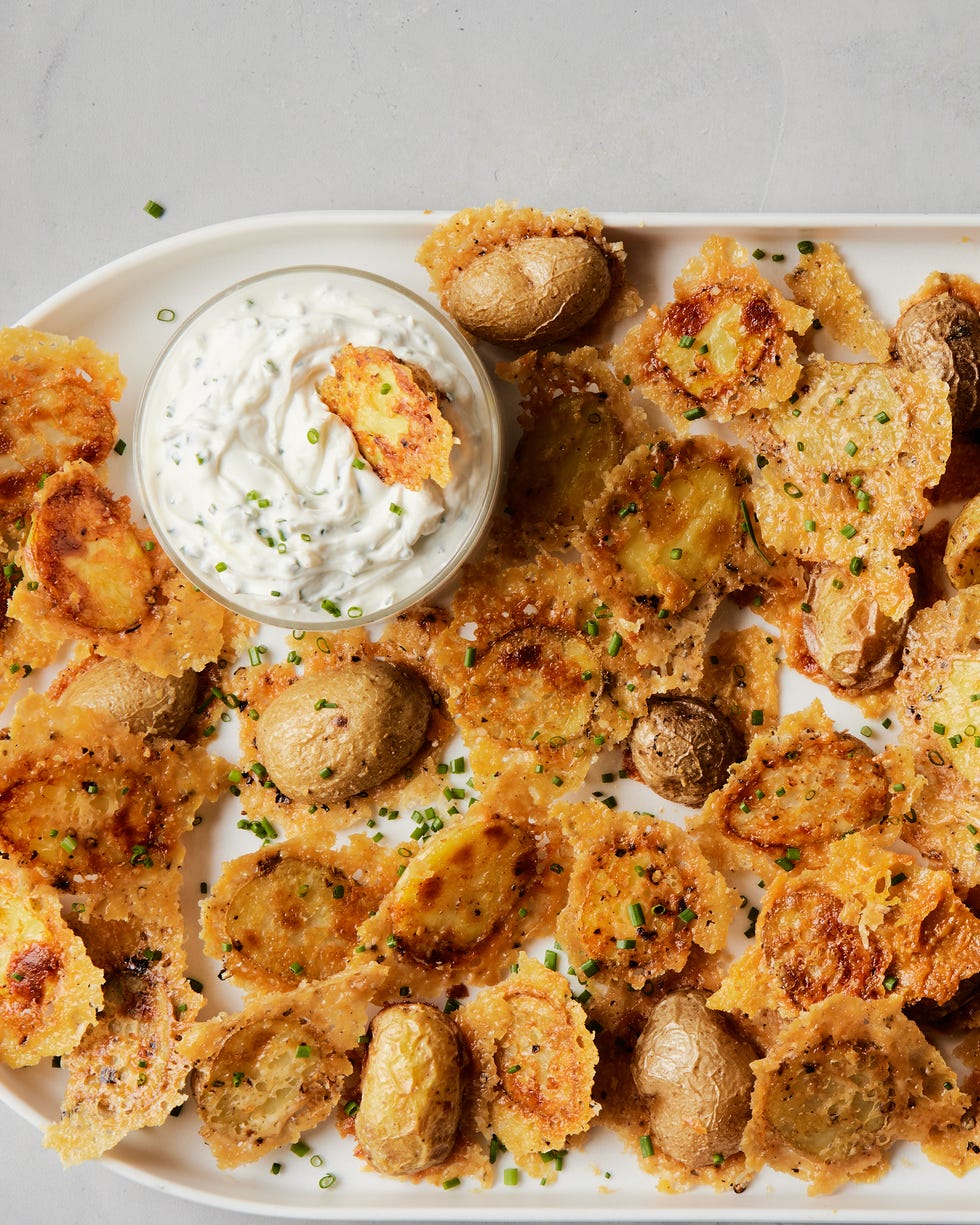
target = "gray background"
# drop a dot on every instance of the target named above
(220, 109)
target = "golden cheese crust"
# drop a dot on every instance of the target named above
(57, 397)
(840, 1086)
(723, 346)
(822, 283)
(49, 988)
(534, 1063)
(393, 410)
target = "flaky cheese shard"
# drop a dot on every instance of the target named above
(823, 284)
(49, 988)
(392, 408)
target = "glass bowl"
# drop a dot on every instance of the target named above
(259, 494)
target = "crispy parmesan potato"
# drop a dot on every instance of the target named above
(480, 887)
(869, 923)
(939, 331)
(49, 988)
(641, 895)
(682, 748)
(843, 468)
(84, 551)
(534, 1060)
(289, 913)
(533, 294)
(392, 409)
(148, 705)
(267, 1074)
(57, 396)
(722, 347)
(962, 555)
(799, 788)
(843, 1083)
(578, 423)
(822, 283)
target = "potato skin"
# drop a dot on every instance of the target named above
(695, 1070)
(942, 334)
(850, 639)
(411, 1089)
(332, 735)
(148, 705)
(962, 555)
(538, 291)
(683, 747)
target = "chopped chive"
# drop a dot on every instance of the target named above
(792, 489)
(120, 447)
(450, 1183)
(510, 1177)
(469, 658)
(685, 342)
(855, 565)
(805, 247)
(395, 508)
(551, 959)
(687, 915)
(313, 436)
(851, 447)
(890, 983)
(165, 315)
(327, 1181)
(758, 253)
(303, 1051)
(646, 1146)
(590, 967)
(635, 912)
(747, 524)
(614, 644)
(695, 414)
(155, 210)
(757, 717)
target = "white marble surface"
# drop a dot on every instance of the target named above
(221, 109)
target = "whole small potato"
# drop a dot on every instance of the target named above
(537, 291)
(330, 736)
(849, 638)
(962, 555)
(411, 1089)
(942, 335)
(683, 747)
(148, 705)
(695, 1070)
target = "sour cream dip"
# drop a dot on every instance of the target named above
(260, 494)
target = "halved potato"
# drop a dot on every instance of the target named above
(82, 549)
(392, 408)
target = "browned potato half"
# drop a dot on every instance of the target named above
(962, 556)
(682, 749)
(330, 736)
(695, 1069)
(941, 334)
(148, 705)
(537, 291)
(392, 409)
(56, 395)
(411, 1089)
(83, 550)
(49, 989)
(850, 639)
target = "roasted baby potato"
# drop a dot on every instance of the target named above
(682, 749)
(537, 291)
(695, 1069)
(962, 556)
(148, 705)
(411, 1089)
(328, 737)
(85, 553)
(941, 334)
(392, 409)
(851, 640)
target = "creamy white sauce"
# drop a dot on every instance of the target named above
(257, 485)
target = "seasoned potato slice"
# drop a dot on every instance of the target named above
(289, 913)
(822, 283)
(723, 347)
(83, 550)
(869, 923)
(641, 895)
(535, 1060)
(841, 1084)
(277, 1068)
(49, 988)
(56, 395)
(392, 409)
(411, 1089)
(578, 423)
(962, 556)
(939, 684)
(86, 803)
(799, 788)
(128, 1071)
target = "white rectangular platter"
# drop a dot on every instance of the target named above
(118, 306)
